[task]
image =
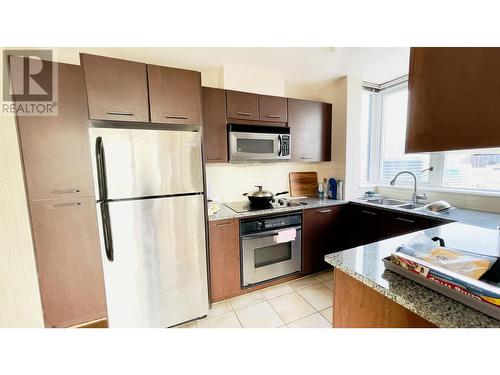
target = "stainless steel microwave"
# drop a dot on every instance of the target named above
(258, 143)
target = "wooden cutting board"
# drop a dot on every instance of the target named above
(303, 184)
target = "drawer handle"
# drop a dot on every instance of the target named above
(244, 113)
(179, 117)
(273, 116)
(405, 220)
(223, 225)
(214, 158)
(325, 211)
(120, 113)
(67, 191)
(62, 205)
(304, 158)
(368, 212)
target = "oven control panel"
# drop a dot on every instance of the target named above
(257, 225)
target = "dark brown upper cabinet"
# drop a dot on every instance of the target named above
(174, 95)
(453, 99)
(214, 125)
(273, 108)
(310, 126)
(55, 149)
(116, 89)
(242, 105)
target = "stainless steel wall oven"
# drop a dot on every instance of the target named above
(270, 248)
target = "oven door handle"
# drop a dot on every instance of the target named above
(265, 234)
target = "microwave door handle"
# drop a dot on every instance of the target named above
(101, 169)
(280, 146)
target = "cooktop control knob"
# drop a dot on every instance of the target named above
(280, 201)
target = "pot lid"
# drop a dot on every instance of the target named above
(261, 193)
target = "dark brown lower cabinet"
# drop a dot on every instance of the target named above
(68, 259)
(366, 225)
(224, 259)
(323, 233)
(400, 223)
(370, 224)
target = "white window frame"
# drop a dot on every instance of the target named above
(376, 140)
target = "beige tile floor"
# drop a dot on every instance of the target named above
(300, 303)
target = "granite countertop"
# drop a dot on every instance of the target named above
(473, 217)
(478, 218)
(365, 264)
(227, 213)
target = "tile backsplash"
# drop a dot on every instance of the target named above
(227, 182)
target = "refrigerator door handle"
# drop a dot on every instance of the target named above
(101, 169)
(106, 230)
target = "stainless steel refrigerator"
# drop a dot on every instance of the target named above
(150, 204)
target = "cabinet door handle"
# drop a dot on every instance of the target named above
(179, 117)
(66, 191)
(214, 158)
(405, 220)
(325, 211)
(223, 225)
(244, 113)
(368, 212)
(63, 205)
(273, 116)
(120, 113)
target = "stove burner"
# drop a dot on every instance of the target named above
(246, 206)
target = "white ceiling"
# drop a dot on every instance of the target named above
(308, 66)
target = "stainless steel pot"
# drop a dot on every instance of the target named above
(262, 197)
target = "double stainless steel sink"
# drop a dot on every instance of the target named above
(395, 203)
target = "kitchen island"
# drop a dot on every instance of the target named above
(368, 295)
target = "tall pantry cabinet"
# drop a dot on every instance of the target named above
(58, 179)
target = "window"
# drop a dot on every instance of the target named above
(476, 169)
(366, 112)
(383, 133)
(394, 160)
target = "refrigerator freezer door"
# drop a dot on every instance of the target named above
(158, 277)
(145, 163)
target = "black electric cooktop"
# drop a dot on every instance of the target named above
(246, 206)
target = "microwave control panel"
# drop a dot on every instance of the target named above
(285, 145)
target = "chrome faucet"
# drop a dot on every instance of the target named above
(415, 197)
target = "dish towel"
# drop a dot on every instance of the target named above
(285, 235)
